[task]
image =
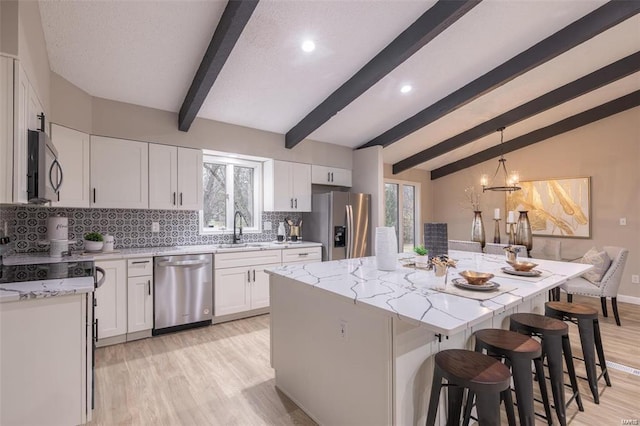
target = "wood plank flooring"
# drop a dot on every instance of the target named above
(220, 375)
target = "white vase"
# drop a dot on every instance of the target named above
(386, 248)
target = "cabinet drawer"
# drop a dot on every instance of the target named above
(309, 254)
(247, 258)
(139, 267)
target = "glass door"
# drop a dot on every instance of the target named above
(401, 211)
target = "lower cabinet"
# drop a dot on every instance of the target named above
(139, 297)
(241, 289)
(111, 301)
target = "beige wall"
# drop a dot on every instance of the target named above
(607, 150)
(70, 105)
(9, 27)
(426, 191)
(32, 50)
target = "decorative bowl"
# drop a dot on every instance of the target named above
(476, 278)
(522, 266)
(92, 245)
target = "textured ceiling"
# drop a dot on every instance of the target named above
(147, 52)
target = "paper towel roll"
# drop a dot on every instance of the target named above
(386, 248)
(57, 228)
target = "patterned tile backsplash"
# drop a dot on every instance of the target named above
(26, 225)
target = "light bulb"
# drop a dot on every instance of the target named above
(308, 46)
(484, 180)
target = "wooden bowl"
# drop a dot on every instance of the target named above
(476, 278)
(522, 266)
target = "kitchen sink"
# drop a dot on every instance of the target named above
(241, 245)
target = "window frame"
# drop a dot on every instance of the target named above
(417, 238)
(230, 162)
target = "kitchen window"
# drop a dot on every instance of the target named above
(402, 212)
(230, 185)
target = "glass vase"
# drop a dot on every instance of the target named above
(523, 231)
(477, 228)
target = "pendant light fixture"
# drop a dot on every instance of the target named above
(511, 180)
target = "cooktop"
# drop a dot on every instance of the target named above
(45, 271)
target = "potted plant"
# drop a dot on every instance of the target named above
(421, 258)
(93, 241)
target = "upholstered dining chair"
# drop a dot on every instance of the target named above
(473, 246)
(493, 248)
(608, 286)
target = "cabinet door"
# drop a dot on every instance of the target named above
(260, 286)
(163, 170)
(231, 291)
(21, 114)
(282, 193)
(119, 173)
(73, 154)
(301, 189)
(341, 177)
(189, 179)
(111, 299)
(6, 130)
(139, 304)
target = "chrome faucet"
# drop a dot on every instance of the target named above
(237, 238)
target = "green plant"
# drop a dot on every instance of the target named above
(93, 236)
(420, 250)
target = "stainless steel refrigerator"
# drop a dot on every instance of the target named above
(340, 221)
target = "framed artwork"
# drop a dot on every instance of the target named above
(556, 207)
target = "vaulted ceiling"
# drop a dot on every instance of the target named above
(537, 67)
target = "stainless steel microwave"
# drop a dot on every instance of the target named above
(44, 172)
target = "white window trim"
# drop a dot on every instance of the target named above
(256, 164)
(417, 214)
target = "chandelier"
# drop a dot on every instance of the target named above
(511, 180)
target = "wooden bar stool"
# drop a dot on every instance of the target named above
(487, 378)
(518, 350)
(586, 318)
(555, 341)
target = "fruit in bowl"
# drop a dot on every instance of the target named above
(476, 278)
(522, 266)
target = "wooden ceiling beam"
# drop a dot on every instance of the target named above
(234, 18)
(605, 110)
(606, 75)
(596, 22)
(433, 22)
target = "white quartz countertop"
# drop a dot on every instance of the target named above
(410, 293)
(29, 258)
(12, 292)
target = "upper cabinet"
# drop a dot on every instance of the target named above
(73, 154)
(6, 130)
(119, 173)
(323, 175)
(175, 178)
(287, 186)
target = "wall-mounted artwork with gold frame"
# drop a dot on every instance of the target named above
(557, 207)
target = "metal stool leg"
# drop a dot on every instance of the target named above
(454, 405)
(543, 389)
(523, 383)
(552, 347)
(585, 328)
(488, 406)
(467, 408)
(508, 406)
(600, 350)
(568, 358)
(434, 400)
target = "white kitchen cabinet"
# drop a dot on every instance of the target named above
(73, 155)
(240, 283)
(119, 173)
(175, 178)
(301, 255)
(111, 300)
(287, 186)
(139, 297)
(6, 129)
(323, 175)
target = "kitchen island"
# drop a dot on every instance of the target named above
(354, 345)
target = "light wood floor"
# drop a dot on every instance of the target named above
(220, 375)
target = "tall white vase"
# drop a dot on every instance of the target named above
(386, 248)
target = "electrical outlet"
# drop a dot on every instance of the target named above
(344, 330)
(155, 226)
(266, 226)
(635, 279)
(623, 221)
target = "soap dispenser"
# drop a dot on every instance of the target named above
(281, 232)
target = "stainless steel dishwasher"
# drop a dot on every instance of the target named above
(183, 292)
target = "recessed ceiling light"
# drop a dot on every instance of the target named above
(406, 88)
(308, 46)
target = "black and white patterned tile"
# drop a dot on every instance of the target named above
(27, 225)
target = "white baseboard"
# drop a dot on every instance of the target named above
(629, 299)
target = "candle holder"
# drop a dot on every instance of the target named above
(512, 233)
(496, 232)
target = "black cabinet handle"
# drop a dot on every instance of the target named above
(94, 195)
(248, 276)
(149, 290)
(328, 176)
(174, 198)
(254, 275)
(135, 262)
(296, 203)
(331, 176)
(181, 198)
(96, 334)
(292, 203)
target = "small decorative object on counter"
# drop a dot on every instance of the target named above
(441, 265)
(523, 231)
(511, 253)
(93, 241)
(386, 248)
(421, 258)
(477, 228)
(281, 232)
(108, 243)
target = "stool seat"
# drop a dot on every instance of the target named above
(508, 342)
(575, 310)
(540, 324)
(488, 378)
